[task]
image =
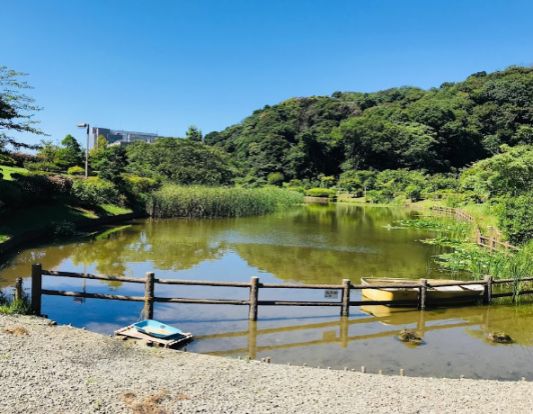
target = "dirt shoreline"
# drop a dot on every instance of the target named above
(60, 369)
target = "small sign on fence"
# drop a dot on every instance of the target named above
(331, 294)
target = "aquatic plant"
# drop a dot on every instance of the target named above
(198, 201)
(10, 306)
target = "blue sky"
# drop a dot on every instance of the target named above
(160, 66)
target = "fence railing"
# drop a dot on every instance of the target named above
(254, 286)
(492, 242)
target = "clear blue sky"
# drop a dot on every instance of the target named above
(159, 66)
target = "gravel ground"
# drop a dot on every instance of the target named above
(59, 369)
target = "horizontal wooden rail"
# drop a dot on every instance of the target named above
(298, 286)
(202, 283)
(503, 281)
(60, 273)
(202, 301)
(253, 300)
(92, 295)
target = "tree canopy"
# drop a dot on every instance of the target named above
(180, 161)
(437, 130)
(16, 109)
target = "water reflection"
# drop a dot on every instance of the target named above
(311, 244)
(319, 244)
(344, 342)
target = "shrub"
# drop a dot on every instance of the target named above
(41, 186)
(94, 191)
(6, 159)
(76, 170)
(196, 201)
(138, 185)
(275, 178)
(516, 218)
(321, 192)
(42, 166)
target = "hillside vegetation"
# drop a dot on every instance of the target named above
(437, 130)
(467, 144)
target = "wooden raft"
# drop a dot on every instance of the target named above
(131, 332)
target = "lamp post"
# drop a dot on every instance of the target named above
(85, 125)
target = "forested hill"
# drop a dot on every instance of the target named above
(437, 130)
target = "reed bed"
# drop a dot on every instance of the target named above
(197, 201)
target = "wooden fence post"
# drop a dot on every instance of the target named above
(487, 292)
(149, 287)
(254, 294)
(422, 294)
(19, 292)
(36, 287)
(345, 308)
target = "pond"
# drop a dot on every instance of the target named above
(309, 244)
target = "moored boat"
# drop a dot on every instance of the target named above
(438, 291)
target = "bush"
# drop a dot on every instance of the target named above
(76, 170)
(6, 159)
(196, 201)
(516, 218)
(42, 187)
(94, 191)
(138, 185)
(275, 178)
(42, 166)
(321, 192)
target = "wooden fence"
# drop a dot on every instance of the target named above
(492, 242)
(253, 287)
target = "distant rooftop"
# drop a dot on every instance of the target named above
(119, 136)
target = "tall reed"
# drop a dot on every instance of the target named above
(197, 201)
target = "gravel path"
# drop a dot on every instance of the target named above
(59, 369)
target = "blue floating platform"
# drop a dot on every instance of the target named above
(155, 332)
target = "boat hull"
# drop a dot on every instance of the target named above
(434, 295)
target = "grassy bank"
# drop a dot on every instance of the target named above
(58, 218)
(198, 201)
(467, 256)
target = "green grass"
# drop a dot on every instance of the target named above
(7, 171)
(113, 210)
(484, 215)
(197, 201)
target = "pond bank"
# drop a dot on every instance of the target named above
(52, 369)
(42, 230)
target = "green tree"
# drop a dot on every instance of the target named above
(71, 154)
(16, 109)
(194, 134)
(180, 161)
(112, 164)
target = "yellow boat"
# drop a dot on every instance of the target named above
(401, 291)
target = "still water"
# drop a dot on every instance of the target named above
(310, 244)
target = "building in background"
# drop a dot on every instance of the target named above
(119, 137)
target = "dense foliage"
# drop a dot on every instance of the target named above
(180, 161)
(437, 130)
(197, 201)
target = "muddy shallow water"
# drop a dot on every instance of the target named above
(311, 244)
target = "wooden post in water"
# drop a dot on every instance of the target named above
(36, 287)
(254, 294)
(422, 294)
(345, 308)
(252, 339)
(344, 332)
(149, 287)
(487, 293)
(19, 293)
